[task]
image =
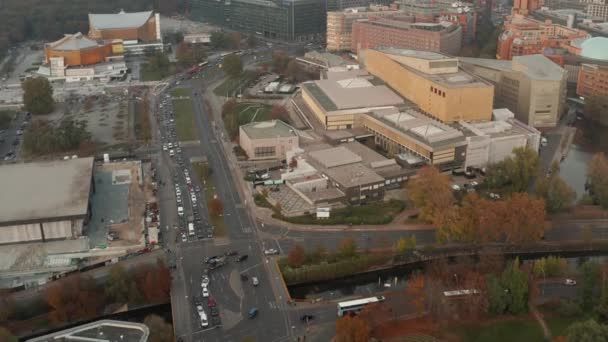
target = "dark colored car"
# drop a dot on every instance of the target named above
(307, 318)
(211, 302)
(242, 258)
(214, 311)
(253, 312)
(244, 277)
(211, 259)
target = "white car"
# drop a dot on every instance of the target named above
(271, 251)
(170, 145)
(255, 281)
(570, 282)
(171, 153)
(165, 148)
(455, 187)
(188, 180)
(204, 321)
(180, 211)
(205, 281)
(205, 292)
(184, 237)
(178, 192)
(474, 184)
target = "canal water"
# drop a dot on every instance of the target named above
(574, 168)
(395, 279)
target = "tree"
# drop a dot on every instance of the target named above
(234, 40)
(228, 107)
(558, 195)
(7, 336)
(280, 60)
(591, 275)
(524, 219)
(587, 331)
(74, 298)
(516, 172)
(319, 253)
(189, 55)
(597, 169)
(233, 66)
(38, 95)
(296, 256)
(119, 284)
(375, 314)
(218, 40)
(515, 283)
(160, 331)
(347, 248)
(416, 291)
(403, 245)
(293, 70)
(352, 329)
(497, 297)
(252, 41)
(216, 208)
(430, 191)
(279, 112)
(156, 282)
(596, 109)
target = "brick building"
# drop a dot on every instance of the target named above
(402, 32)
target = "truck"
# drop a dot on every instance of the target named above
(191, 229)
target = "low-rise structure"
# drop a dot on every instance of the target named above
(267, 139)
(340, 99)
(45, 201)
(100, 331)
(403, 32)
(531, 86)
(491, 142)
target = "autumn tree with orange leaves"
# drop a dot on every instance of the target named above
(375, 314)
(296, 256)
(416, 291)
(430, 191)
(352, 329)
(74, 298)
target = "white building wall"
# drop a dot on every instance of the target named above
(57, 229)
(20, 233)
(502, 147)
(478, 149)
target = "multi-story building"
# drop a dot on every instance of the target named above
(532, 87)
(526, 36)
(294, 20)
(432, 81)
(598, 10)
(339, 24)
(267, 139)
(593, 72)
(463, 13)
(142, 27)
(403, 32)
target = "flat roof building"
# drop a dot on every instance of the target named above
(44, 200)
(267, 139)
(99, 331)
(532, 86)
(432, 81)
(405, 33)
(337, 101)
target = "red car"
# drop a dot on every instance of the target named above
(211, 302)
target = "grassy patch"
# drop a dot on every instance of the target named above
(245, 113)
(6, 116)
(501, 331)
(230, 86)
(204, 172)
(374, 213)
(142, 121)
(184, 115)
(148, 74)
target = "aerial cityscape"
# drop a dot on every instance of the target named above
(304, 170)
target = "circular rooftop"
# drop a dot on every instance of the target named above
(595, 48)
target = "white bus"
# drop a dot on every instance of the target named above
(460, 293)
(224, 54)
(357, 304)
(202, 64)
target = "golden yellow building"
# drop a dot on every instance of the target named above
(433, 81)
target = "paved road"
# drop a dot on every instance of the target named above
(12, 142)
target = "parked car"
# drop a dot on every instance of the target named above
(307, 318)
(211, 302)
(205, 292)
(244, 277)
(211, 259)
(255, 281)
(271, 251)
(214, 311)
(253, 312)
(242, 258)
(570, 282)
(205, 281)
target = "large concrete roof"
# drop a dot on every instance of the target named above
(73, 42)
(268, 129)
(45, 190)
(120, 20)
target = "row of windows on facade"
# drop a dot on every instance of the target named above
(437, 91)
(265, 151)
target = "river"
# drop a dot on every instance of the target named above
(574, 168)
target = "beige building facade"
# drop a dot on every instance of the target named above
(340, 23)
(267, 140)
(532, 87)
(434, 82)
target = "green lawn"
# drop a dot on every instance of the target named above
(204, 174)
(373, 213)
(184, 115)
(146, 74)
(6, 116)
(142, 122)
(245, 113)
(502, 331)
(231, 85)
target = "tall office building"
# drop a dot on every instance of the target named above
(340, 23)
